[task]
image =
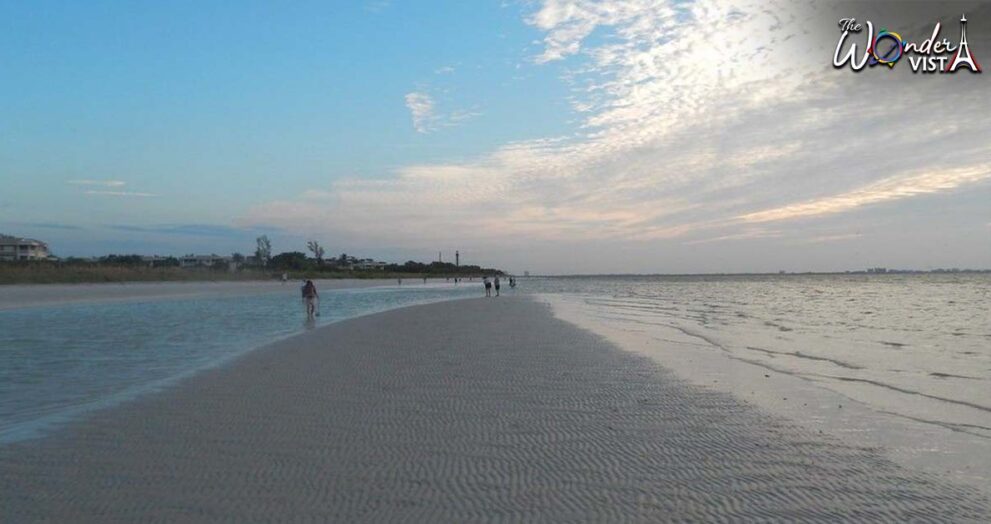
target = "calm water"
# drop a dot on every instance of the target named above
(57, 362)
(917, 346)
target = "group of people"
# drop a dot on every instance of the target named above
(489, 284)
(311, 298)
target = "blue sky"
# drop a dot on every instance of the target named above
(214, 108)
(534, 135)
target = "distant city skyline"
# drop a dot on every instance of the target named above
(559, 136)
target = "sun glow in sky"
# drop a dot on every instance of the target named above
(559, 136)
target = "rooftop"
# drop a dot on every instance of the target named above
(8, 239)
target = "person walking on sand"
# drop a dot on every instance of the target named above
(310, 297)
(488, 286)
(497, 285)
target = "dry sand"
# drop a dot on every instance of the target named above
(485, 409)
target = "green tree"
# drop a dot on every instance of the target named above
(290, 260)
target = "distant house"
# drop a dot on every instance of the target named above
(154, 260)
(193, 261)
(367, 263)
(16, 248)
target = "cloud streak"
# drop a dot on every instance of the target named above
(426, 118)
(697, 120)
(119, 193)
(196, 230)
(113, 188)
(892, 188)
(421, 109)
(97, 183)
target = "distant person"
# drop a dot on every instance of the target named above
(497, 285)
(310, 298)
(285, 278)
(424, 280)
(400, 281)
(488, 286)
(512, 282)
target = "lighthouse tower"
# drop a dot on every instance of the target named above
(963, 58)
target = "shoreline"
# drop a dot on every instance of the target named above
(459, 410)
(961, 455)
(42, 427)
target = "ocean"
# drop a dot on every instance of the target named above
(60, 361)
(894, 361)
(900, 361)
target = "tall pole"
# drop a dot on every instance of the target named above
(457, 259)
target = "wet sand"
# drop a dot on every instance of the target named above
(484, 409)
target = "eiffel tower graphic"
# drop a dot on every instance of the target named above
(962, 58)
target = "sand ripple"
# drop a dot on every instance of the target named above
(461, 411)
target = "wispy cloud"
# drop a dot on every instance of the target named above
(891, 188)
(49, 225)
(377, 6)
(831, 238)
(749, 234)
(108, 192)
(199, 230)
(696, 119)
(119, 193)
(426, 118)
(97, 183)
(421, 109)
(444, 70)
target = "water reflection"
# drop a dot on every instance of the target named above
(62, 360)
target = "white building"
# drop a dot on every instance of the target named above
(15, 248)
(188, 261)
(368, 263)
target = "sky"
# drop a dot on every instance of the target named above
(551, 136)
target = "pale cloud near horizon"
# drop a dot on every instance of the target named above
(699, 120)
(100, 183)
(891, 188)
(119, 193)
(116, 190)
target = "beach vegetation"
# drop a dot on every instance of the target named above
(263, 251)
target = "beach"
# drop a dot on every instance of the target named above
(466, 410)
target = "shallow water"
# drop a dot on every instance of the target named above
(909, 356)
(906, 358)
(59, 361)
(924, 336)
